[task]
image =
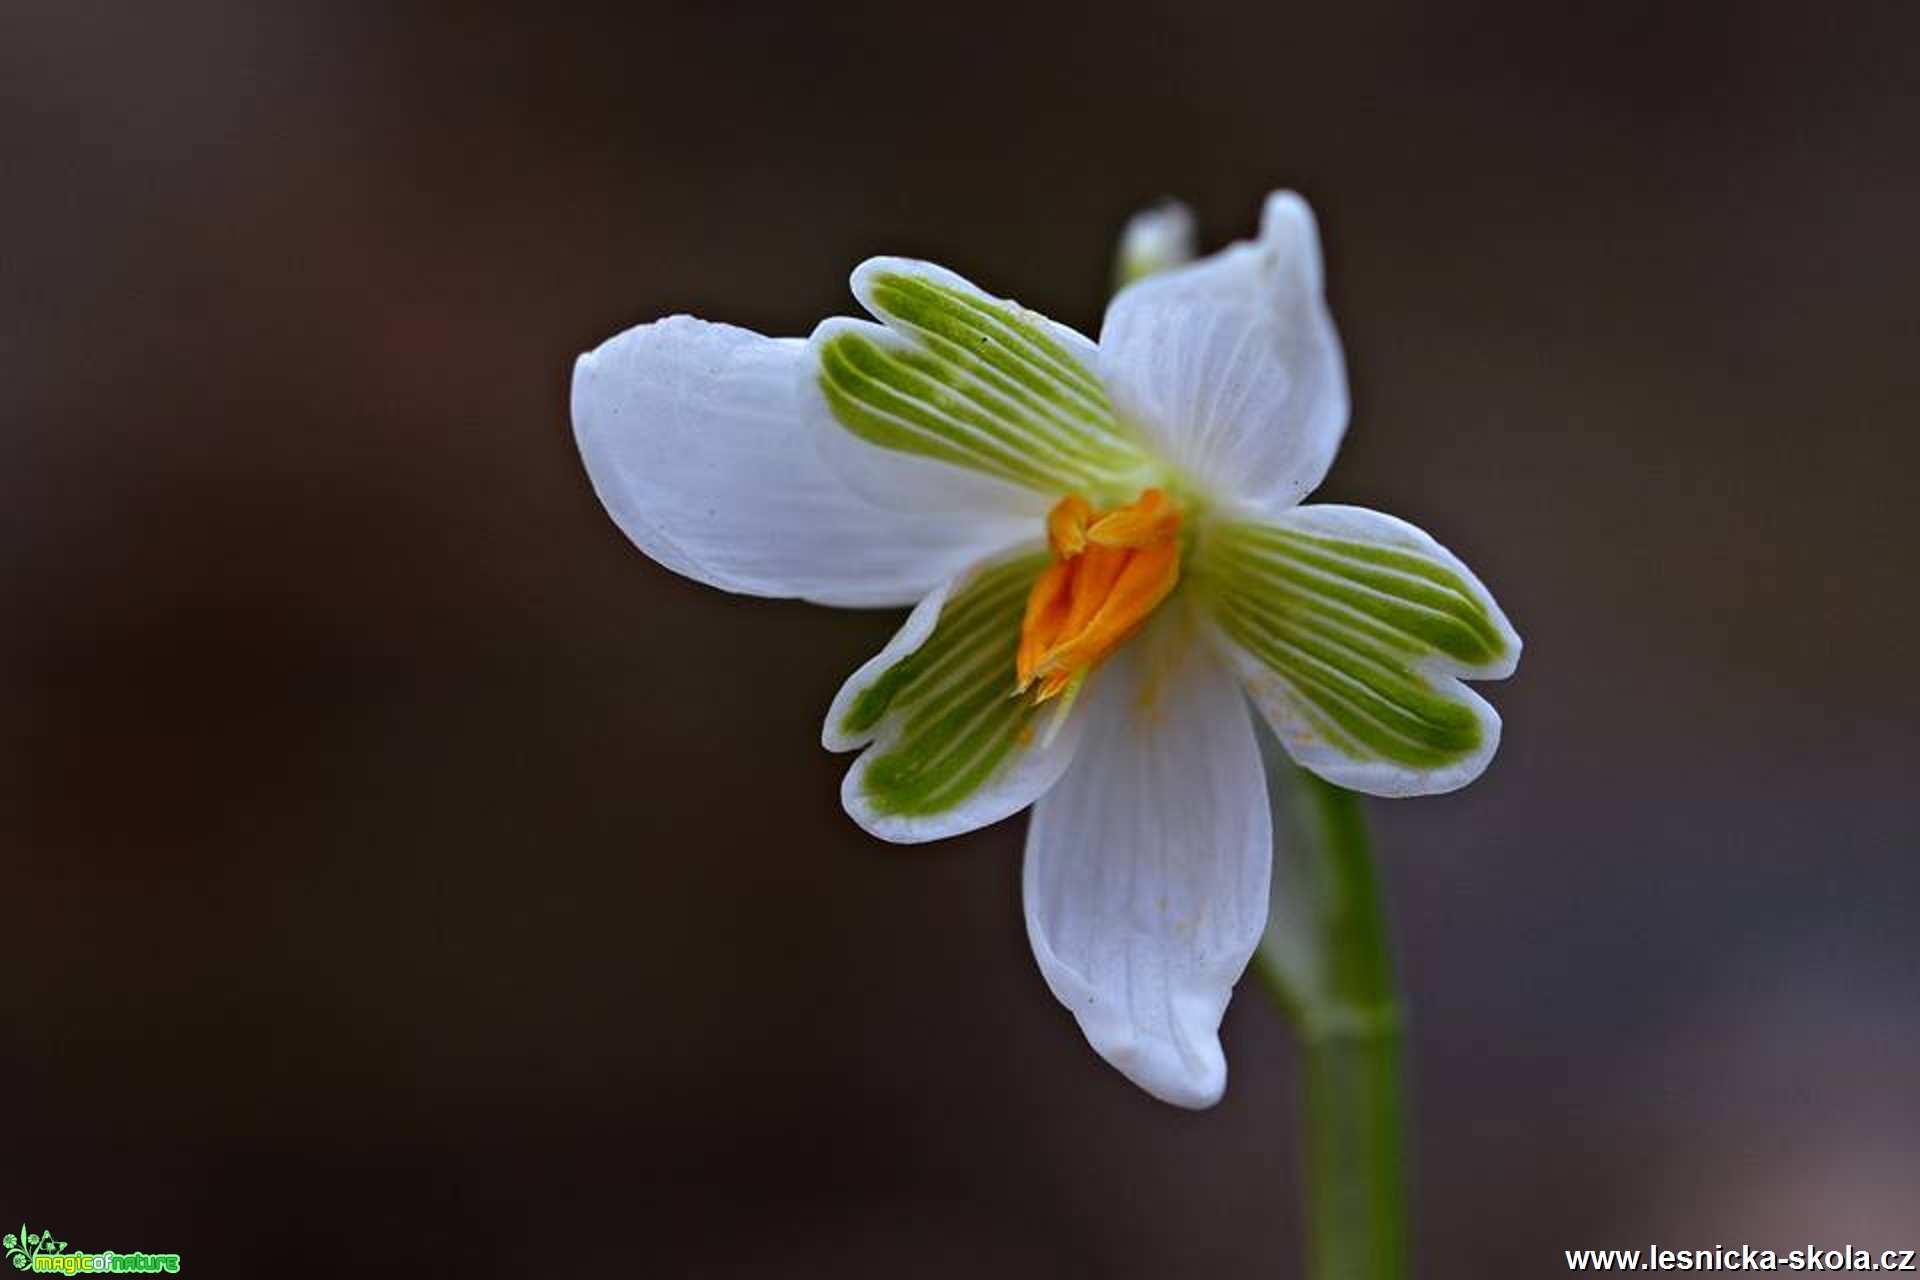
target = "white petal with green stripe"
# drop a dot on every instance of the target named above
(1353, 631)
(959, 378)
(949, 748)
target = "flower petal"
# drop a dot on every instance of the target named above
(1147, 866)
(1353, 630)
(956, 378)
(1231, 366)
(949, 747)
(694, 436)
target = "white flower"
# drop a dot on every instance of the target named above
(1106, 554)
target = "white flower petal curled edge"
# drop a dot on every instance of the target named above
(1110, 571)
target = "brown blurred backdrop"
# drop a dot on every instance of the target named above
(403, 874)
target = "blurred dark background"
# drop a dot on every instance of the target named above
(402, 873)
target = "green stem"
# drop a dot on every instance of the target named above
(1326, 962)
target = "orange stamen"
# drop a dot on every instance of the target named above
(1150, 522)
(1067, 526)
(1110, 571)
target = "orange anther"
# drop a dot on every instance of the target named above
(1067, 526)
(1109, 574)
(1147, 523)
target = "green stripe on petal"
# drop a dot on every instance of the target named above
(1354, 629)
(955, 716)
(939, 708)
(974, 381)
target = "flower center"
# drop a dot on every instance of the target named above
(1110, 569)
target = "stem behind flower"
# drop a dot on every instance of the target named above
(1326, 963)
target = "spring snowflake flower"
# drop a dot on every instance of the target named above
(1108, 562)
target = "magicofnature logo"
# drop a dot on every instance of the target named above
(39, 1251)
